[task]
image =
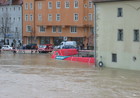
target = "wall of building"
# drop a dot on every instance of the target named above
(66, 19)
(128, 51)
(13, 13)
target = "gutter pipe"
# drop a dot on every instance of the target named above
(95, 33)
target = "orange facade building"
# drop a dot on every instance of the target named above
(51, 21)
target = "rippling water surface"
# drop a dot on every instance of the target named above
(39, 76)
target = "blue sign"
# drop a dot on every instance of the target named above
(9, 35)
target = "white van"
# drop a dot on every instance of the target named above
(63, 43)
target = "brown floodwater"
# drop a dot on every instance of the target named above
(39, 76)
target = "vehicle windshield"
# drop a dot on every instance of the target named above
(61, 43)
(5, 46)
(42, 46)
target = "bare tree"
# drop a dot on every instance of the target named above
(5, 25)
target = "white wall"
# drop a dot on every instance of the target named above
(15, 12)
(107, 27)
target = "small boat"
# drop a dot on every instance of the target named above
(61, 57)
(69, 54)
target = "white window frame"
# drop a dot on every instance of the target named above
(67, 4)
(76, 4)
(2, 9)
(42, 29)
(39, 5)
(76, 16)
(59, 29)
(49, 5)
(31, 17)
(73, 29)
(26, 17)
(18, 18)
(90, 17)
(39, 17)
(54, 29)
(90, 4)
(28, 29)
(19, 8)
(58, 4)
(31, 5)
(49, 17)
(26, 6)
(58, 17)
(16, 29)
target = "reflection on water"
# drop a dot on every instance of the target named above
(39, 76)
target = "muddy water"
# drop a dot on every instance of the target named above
(38, 76)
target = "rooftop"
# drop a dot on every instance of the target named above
(11, 2)
(98, 1)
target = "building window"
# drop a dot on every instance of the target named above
(120, 35)
(28, 29)
(10, 19)
(42, 29)
(26, 17)
(67, 4)
(8, 29)
(90, 4)
(73, 29)
(114, 57)
(31, 17)
(49, 17)
(18, 18)
(26, 6)
(59, 29)
(16, 29)
(39, 17)
(120, 12)
(90, 17)
(19, 8)
(136, 35)
(76, 4)
(75, 17)
(54, 29)
(58, 4)
(57, 17)
(39, 5)
(2, 19)
(92, 29)
(49, 5)
(31, 6)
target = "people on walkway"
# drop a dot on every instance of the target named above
(14, 50)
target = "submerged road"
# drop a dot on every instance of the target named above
(39, 76)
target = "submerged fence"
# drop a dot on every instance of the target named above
(81, 53)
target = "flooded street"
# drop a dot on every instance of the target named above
(39, 76)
